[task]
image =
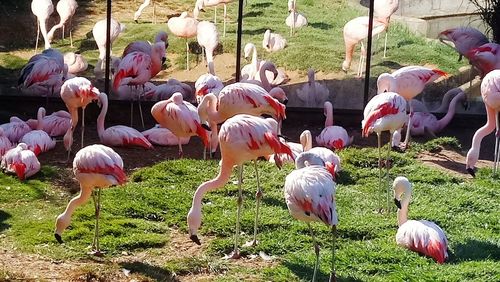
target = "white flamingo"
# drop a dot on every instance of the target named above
(42, 9)
(208, 38)
(66, 9)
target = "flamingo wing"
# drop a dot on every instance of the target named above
(100, 159)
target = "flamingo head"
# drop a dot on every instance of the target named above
(279, 94)
(331, 169)
(402, 191)
(248, 49)
(267, 38)
(385, 83)
(62, 222)
(194, 223)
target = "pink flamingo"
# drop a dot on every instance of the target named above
(77, 93)
(383, 10)
(99, 33)
(242, 138)
(166, 90)
(143, 6)
(312, 93)
(208, 39)
(329, 157)
(185, 27)
(42, 9)
(273, 42)
(420, 236)
(180, 117)
(15, 129)
(55, 124)
(332, 136)
(251, 71)
(297, 148)
(21, 161)
(355, 31)
(163, 137)
(66, 9)
(384, 112)
(310, 196)
(118, 135)
(95, 166)
(5, 143)
(408, 82)
(76, 63)
(207, 83)
(485, 57)
(490, 91)
(294, 19)
(147, 48)
(43, 72)
(463, 39)
(38, 140)
(200, 4)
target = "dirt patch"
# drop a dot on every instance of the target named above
(450, 161)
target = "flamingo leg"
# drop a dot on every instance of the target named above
(187, 55)
(70, 32)
(97, 203)
(154, 12)
(83, 125)
(385, 44)
(406, 143)
(62, 36)
(258, 197)
(387, 167)
(180, 148)
(316, 252)
(236, 253)
(225, 14)
(215, 15)
(140, 108)
(37, 34)
(379, 163)
(497, 145)
(334, 238)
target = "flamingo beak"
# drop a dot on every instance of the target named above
(58, 238)
(195, 239)
(471, 172)
(285, 101)
(397, 203)
(206, 127)
(163, 59)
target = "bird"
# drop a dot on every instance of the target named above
(99, 69)
(43, 74)
(332, 136)
(76, 63)
(66, 9)
(251, 71)
(5, 143)
(180, 117)
(137, 68)
(408, 82)
(463, 39)
(328, 156)
(294, 19)
(20, 161)
(355, 31)
(420, 236)
(261, 78)
(185, 27)
(382, 11)
(38, 140)
(42, 9)
(158, 135)
(305, 144)
(76, 93)
(310, 196)
(167, 89)
(118, 135)
(94, 166)
(208, 38)
(207, 83)
(242, 138)
(485, 58)
(312, 93)
(384, 112)
(490, 92)
(99, 33)
(273, 42)
(147, 48)
(55, 124)
(200, 4)
(143, 6)
(15, 129)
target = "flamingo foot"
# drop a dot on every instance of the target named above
(195, 239)
(233, 255)
(252, 243)
(471, 172)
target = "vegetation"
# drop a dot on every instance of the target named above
(489, 10)
(150, 211)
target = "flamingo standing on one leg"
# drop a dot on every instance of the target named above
(383, 10)
(180, 117)
(38, 140)
(200, 4)
(310, 196)
(384, 112)
(118, 135)
(77, 93)
(185, 27)
(42, 9)
(355, 31)
(208, 38)
(242, 138)
(66, 9)
(20, 161)
(490, 91)
(332, 136)
(99, 33)
(143, 6)
(95, 166)
(408, 82)
(420, 236)
(294, 19)
(5, 143)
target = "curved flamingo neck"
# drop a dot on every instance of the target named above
(263, 78)
(210, 105)
(64, 219)
(451, 111)
(40, 115)
(403, 212)
(473, 154)
(102, 115)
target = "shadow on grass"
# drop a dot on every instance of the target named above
(253, 14)
(154, 272)
(389, 64)
(261, 5)
(305, 272)
(476, 251)
(274, 202)
(324, 26)
(255, 31)
(3, 217)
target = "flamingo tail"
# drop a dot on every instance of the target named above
(20, 169)
(278, 107)
(437, 250)
(138, 141)
(200, 131)
(118, 77)
(278, 146)
(382, 110)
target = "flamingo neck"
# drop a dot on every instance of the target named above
(210, 61)
(102, 115)
(403, 213)
(64, 219)
(40, 115)
(263, 78)
(473, 154)
(211, 108)
(254, 59)
(451, 111)
(328, 115)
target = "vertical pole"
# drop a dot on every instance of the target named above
(238, 40)
(108, 46)
(368, 54)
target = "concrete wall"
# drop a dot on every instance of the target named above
(425, 8)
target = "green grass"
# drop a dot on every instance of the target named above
(139, 216)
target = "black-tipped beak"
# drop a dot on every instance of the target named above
(385, 90)
(163, 59)
(471, 172)
(58, 238)
(195, 239)
(397, 203)
(202, 10)
(285, 101)
(206, 127)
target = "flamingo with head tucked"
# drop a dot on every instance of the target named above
(305, 144)
(15, 129)
(273, 42)
(294, 19)
(207, 83)
(242, 138)
(420, 236)
(332, 136)
(99, 33)
(163, 137)
(20, 161)
(95, 166)
(55, 124)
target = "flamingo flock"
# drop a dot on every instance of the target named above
(231, 117)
